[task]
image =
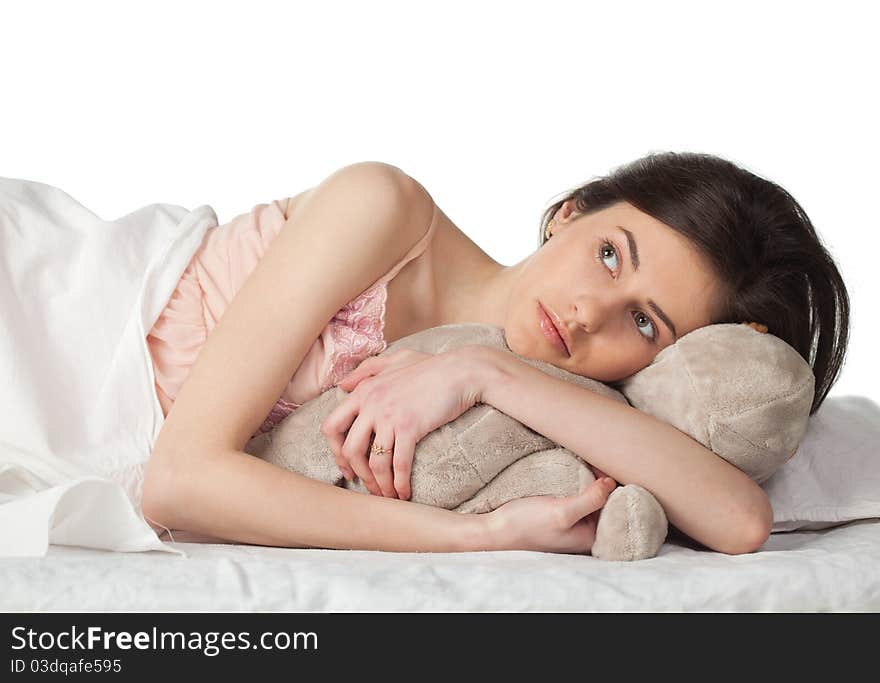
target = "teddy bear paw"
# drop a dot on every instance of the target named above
(632, 525)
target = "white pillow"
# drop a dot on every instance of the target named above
(834, 477)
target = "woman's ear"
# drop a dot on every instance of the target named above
(564, 214)
(568, 211)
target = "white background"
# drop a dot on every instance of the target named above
(495, 107)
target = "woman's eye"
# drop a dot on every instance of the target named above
(606, 251)
(653, 334)
(607, 247)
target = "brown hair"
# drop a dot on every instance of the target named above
(773, 267)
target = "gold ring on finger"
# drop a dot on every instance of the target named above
(378, 450)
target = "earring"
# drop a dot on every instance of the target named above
(757, 327)
(547, 234)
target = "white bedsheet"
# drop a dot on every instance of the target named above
(835, 569)
(79, 412)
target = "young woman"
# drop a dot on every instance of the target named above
(285, 301)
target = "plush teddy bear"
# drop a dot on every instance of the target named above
(741, 393)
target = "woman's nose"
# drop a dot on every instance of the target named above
(589, 313)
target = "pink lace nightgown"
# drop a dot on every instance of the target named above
(217, 271)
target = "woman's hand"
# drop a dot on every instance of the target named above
(375, 364)
(550, 523)
(401, 397)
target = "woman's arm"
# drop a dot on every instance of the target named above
(240, 498)
(703, 495)
(198, 477)
(244, 499)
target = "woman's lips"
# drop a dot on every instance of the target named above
(548, 329)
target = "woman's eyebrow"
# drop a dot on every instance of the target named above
(634, 261)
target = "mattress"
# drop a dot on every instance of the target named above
(833, 569)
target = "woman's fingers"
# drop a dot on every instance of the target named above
(366, 368)
(404, 453)
(334, 428)
(355, 451)
(380, 463)
(374, 365)
(588, 500)
(598, 473)
(336, 441)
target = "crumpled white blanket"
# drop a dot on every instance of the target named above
(79, 413)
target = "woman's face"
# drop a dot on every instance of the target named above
(584, 274)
